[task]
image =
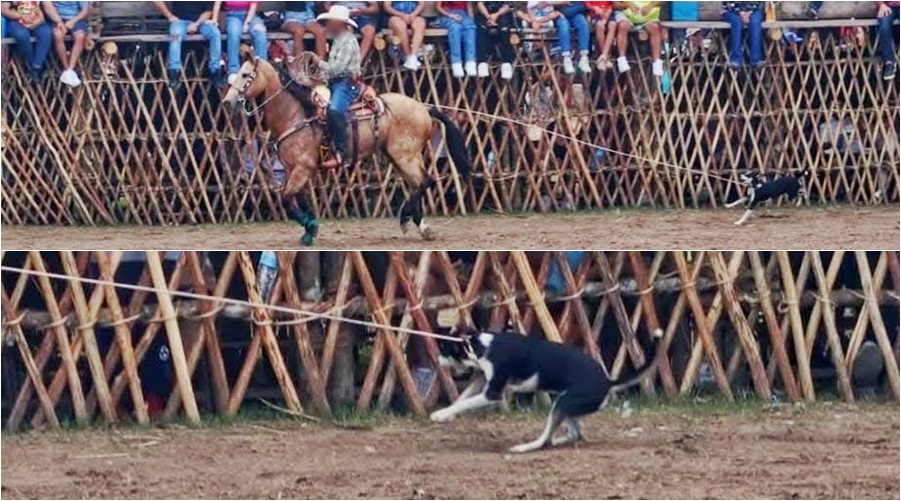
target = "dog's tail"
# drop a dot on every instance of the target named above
(635, 377)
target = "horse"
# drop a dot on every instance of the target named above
(402, 131)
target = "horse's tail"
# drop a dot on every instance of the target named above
(456, 143)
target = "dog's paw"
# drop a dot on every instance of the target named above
(441, 417)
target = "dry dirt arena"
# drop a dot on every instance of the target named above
(847, 228)
(830, 451)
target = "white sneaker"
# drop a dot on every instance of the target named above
(232, 78)
(70, 78)
(457, 70)
(471, 69)
(568, 67)
(412, 63)
(584, 65)
(622, 64)
(483, 70)
(657, 67)
(507, 71)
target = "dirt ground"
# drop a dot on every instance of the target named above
(830, 451)
(847, 228)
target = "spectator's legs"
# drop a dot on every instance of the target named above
(418, 28)
(469, 39)
(583, 32)
(234, 29)
(886, 38)
(214, 37)
(611, 36)
(297, 31)
(564, 36)
(22, 36)
(78, 40)
(4, 56)
(367, 34)
(320, 41)
(623, 27)
(59, 43)
(736, 52)
(177, 31)
(454, 40)
(259, 39)
(655, 36)
(43, 35)
(755, 37)
(399, 27)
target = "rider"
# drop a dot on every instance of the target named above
(342, 70)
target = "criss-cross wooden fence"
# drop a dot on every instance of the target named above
(788, 325)
(125, 148)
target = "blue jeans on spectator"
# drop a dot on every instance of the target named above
(34, 55)
(573, 17)
(887, 32)
(178, 30)
(755, 38)
(461, 36)
(234, 29)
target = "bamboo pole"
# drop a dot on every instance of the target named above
(832, 335)
(882, 338)
(377, 360)
(801, 356)
(331, 336)
(536, 297)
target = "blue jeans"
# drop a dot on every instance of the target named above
(234, 29)
(755, 37)
(178, 30)
(344, 93)
(34, 55)
(887, 36)
(461, 36)
(573, 17)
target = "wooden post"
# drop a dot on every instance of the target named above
(872, 307)
(777, 339)
(176, 348)
(801, 356)
(832, 336)
(536, 296)
(336, 328)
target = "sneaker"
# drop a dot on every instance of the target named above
(584, 65)
(412, 63)
(602, 63)
(507, 71)
(568, 67)
(622, 64)
(657, 67)
(483, 70)
(174, 80)
(457, 70)
(70, 78)
(471, 69)
(889, 70)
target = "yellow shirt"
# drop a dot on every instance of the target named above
(632, 13)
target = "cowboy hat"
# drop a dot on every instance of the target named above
(338, 13)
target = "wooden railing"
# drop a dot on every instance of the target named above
(789, 326)
(124, 148)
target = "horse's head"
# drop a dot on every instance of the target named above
(249, 83)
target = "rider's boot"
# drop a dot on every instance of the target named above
(337, 124)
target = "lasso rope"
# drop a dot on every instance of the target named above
(221, 301)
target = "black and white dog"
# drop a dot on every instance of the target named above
(760, 190)
(527, 364)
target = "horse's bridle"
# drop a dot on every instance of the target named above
(242, 94)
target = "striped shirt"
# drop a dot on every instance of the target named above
(344, 59)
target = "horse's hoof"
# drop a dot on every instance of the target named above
(307, 240)
(312, 228)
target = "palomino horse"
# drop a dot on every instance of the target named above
(402, 132)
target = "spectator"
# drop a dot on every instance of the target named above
(69, 17)
(572, 16)
(25, 20)
(365, 14)
(300, 19)
(188, 18)
(887, 14)
(495, 19)
(813, 9)
(601, 16)
(538, 16)
(461, 35)
(241, 19)
(745, 16)
(408, 16)
(639, 16)
(3, 54)
(342, 70)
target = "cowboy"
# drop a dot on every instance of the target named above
(342, 70)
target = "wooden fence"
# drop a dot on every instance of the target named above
(785, 325)
(124, 148)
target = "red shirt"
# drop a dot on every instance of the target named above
(600, 5)
(453, 5)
